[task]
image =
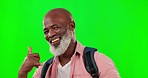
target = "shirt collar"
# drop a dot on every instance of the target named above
(79, 48)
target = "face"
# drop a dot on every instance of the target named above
(57, 34)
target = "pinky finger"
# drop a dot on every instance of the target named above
(38, 64)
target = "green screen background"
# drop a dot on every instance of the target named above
(117, 28)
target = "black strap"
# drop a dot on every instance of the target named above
(45, 67)
(89, 62)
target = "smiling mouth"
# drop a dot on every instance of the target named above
(55, 41)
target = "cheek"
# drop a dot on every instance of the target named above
(63, 31)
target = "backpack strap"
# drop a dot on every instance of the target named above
(89, 62)
(46, 66)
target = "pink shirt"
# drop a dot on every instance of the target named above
(105, 65)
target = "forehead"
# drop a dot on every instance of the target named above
(53, 21)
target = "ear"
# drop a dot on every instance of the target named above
(72, 25)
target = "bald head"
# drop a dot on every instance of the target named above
(59, 13)
(59, 16)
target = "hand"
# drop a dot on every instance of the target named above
(30, 61)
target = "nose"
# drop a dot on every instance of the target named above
(51, 34)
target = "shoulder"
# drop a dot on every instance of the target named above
(103, 61)
(102, 58)
(106, 66)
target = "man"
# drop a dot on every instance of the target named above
(68, 61)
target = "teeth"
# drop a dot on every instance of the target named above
(55, 40)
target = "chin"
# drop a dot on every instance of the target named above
(64, 44)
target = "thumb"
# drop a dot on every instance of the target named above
(29, 50)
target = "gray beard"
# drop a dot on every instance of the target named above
(64, 44)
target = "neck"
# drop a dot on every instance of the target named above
(65, 58)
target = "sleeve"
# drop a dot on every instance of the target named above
(106, 66)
